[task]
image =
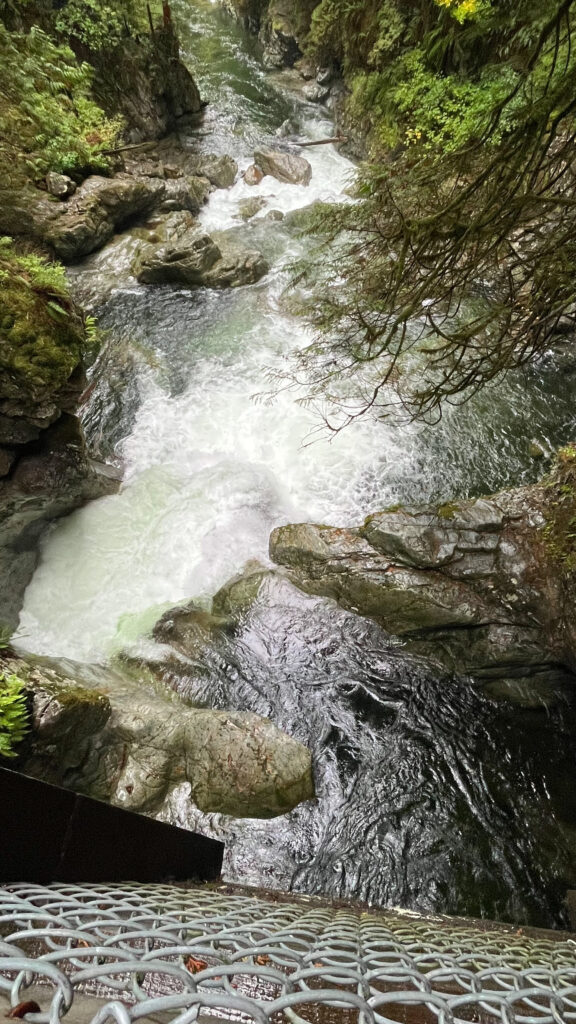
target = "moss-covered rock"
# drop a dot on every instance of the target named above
(145, 80)
(45, 471)
(41, 341)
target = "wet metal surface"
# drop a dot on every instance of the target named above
(189, 953)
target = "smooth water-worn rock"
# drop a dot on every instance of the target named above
(248, 208)
(472, 583)
(195, 259)
(286, 167)
(253, 175)
(236, 762)
(184, 261)
(99, 207)
(236, 268)
(129, 741)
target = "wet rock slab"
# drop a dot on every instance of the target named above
(287, 167)
(124, 742)
(470, 583)
(194, 259)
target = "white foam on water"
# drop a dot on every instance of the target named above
(209, 474)
(332, 174)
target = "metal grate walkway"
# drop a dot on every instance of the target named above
(124, 953)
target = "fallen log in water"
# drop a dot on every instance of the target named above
(323, 142)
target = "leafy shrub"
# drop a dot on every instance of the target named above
(47, 119)
(100, 25)
(41, 335)
(13, 714)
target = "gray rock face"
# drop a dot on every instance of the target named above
(184, 261)
(99, 207)
(59, 185)
(195, 260)
(146, 81)
(278, 35)
(284, 166)
(471, 583)
(132, 747)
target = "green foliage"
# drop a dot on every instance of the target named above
(456, 262)
(99, 25)
(6, 636)
(41, 337)
(560, 529)
(13, 714)
(412, 104)
(356, 33)
(431, 71)
(47, 119)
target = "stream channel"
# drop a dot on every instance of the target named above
(430, 795)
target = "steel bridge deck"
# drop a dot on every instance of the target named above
(118, 954)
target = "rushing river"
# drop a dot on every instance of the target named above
(430, 794)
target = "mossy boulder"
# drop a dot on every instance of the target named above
(238, 595)
(99, 208)
(41, 337)
(62, 712)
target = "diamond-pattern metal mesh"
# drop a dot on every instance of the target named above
(127, 952)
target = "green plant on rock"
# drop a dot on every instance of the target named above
(41, 335)
(48, 120)
(560, 529)
(14, 722)
(98, 25)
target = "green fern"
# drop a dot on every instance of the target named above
(13, 714)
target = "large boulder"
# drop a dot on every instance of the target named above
(284, 166)
(220, 171)
(474, 583)
(185, 193)
(98, 208)
(195, 260)
(235, 268)
(184, 261)
(131, 745)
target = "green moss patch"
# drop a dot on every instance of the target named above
(560, 528)
(41, 337)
